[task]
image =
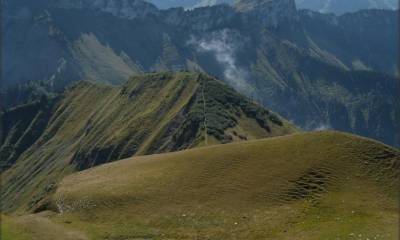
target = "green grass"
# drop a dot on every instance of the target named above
(36, 227)
(250, 190)
(11, 231)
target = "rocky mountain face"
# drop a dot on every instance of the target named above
(352, 45)
(340, 7)
(120, 8)
(269, 12)
(188, 4)
(318, 70)
(206, 3)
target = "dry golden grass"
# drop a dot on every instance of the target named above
(323, 185)
(36, 227)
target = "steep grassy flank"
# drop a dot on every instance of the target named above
(91, 124)
(20, 127)
(100, 63)
(323, 185)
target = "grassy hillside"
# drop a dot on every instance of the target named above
(91, 124)
(32, 227)
(323, 185)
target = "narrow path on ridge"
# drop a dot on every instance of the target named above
(205, 114)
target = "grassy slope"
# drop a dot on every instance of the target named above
(10, 230)
(32, 227)
(20, 127)
(93, 124)
(323, 185)
(100, 63)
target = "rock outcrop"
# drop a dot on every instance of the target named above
(269, 12)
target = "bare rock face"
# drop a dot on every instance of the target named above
(200, 19)
(340, 7)
(205, 3)
(269, 12)
(120, 8)
(130, 9)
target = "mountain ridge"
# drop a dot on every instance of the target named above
(92, 124)
(338, 7)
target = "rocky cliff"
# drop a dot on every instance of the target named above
(269, 12)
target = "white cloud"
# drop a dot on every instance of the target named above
(223, 46)
(322, 127)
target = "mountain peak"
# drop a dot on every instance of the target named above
(119, 8)
(270, 12)
(251, 5)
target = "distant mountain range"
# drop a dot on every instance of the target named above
(318, 70)
(323, 6)
(346, 6)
